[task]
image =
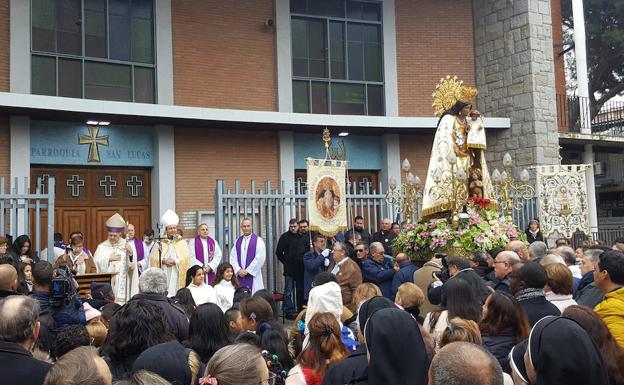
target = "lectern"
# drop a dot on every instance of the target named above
(84, 282)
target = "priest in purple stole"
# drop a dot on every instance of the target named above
(205, 252)
(247, 257)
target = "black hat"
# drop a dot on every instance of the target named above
(100, 290)
(516, 360)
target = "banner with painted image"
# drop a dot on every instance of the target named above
(562, 200)
(327, 201)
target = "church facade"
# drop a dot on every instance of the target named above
(139, 106)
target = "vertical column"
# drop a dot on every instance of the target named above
(20, 162)
(588, 158)
(19, 53)
(284, 69)
(390, 162)
(580, 54)
(163, 173)
(287, 169)
(390, 59)
(164, 52)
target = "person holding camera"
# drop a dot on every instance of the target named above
(76, 258)
(59, 304)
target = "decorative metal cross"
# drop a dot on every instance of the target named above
(365, 185)
(108, 183)
(93, 140)
(75, 183)
(42, 182)
(134, 184)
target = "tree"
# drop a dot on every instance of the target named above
(604, 29)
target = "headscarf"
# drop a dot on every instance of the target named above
(326, 298)
(169, 360)
(397, 352)
(370, 306)
(561, 353)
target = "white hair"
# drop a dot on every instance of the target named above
(153, 281)
(551, 259)
(377, 246)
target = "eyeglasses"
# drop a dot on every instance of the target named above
(360, 250)
(270, 380)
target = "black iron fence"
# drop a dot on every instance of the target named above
(606, 120)
(605, 237)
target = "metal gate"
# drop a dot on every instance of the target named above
(21, 211)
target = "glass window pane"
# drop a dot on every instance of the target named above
(43, 75)
(142, 42)
(299, 47)
(348, 99)
(119, 7)
(142, 9)
(354, 10)
(143, 85)
(356, 61)
(371, 11)
(354, 32)
(119, 37)
(375, 100)
(372, 62)
(370, 33)
(70, 78)
(317, 34)
(95, 5)
(108, 82)
(95, 33)
(298, 6)
(332, 8)
(319, 98)
(301, 96)
(69, 33)
(43, 25)
(336, 41)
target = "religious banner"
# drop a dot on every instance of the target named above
(562, 200)
(327, 201)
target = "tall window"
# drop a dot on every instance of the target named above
(337, 57)
(94, 49)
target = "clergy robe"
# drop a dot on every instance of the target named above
(205, 252)
(103, 253)
(249, 253)
(138, 254)
(177, 249)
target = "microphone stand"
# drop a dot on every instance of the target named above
(159, 241)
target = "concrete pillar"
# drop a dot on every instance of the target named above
(390, 164)
(284, 55)
(588, 158)
(580, 54)
(164, 52)
(19, 55)
(163, 173)
(20, 163)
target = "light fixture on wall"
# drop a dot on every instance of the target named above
(97, 123)
(344, 133)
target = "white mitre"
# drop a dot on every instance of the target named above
(169, 218)
(115, 224)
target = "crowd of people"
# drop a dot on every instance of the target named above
(362, 314)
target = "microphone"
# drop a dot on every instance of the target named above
(170, 237)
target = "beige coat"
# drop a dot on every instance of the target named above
(422, 278)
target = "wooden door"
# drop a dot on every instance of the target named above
(87, 197)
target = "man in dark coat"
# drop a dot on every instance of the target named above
(283, 253)
(314, 262)
(587, 294)
(385, 235)
(378, 269)
(19, 330)
(299, 249)
(153, 288)
(527, 285)
(405, 272)
(459, 268)
(358, 228)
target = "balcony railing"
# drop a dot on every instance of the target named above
(609, 120)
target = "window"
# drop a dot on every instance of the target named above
(94, 49)
(337, 57)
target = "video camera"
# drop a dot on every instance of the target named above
(62, 290)
(443, 274)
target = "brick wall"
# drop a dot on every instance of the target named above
(434, 39)
(4, 45)
(417, 149)
(204, 155)
(223, 55)
(5, 147)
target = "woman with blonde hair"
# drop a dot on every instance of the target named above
(460, 329)
(410, 297)
(323, 350)
(365, 291)
(559, 288)
(238, 364)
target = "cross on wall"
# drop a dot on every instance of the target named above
(108, 184)
(75, 183)
(134, 184)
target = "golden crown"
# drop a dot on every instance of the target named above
(449, 91)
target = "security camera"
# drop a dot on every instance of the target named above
(269, 23)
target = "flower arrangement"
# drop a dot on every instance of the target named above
(476, 229)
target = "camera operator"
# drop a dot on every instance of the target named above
(458, 268)
(55, 312)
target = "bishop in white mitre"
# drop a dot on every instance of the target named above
(172, 254)
(247, 258)
(113, 256)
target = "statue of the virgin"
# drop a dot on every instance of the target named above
(457, 155)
